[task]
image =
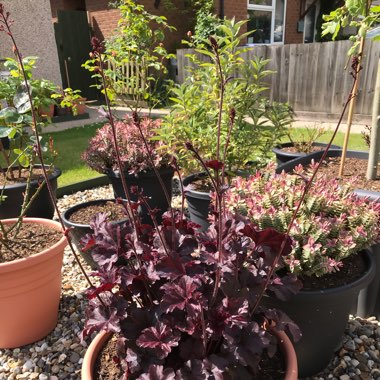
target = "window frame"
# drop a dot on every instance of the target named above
(272, 9)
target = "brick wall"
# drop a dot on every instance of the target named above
(292, 16)
(238, 9)
(104, 19)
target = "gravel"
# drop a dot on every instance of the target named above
(60, 354)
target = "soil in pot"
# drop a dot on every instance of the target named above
(14, 190)
(31, 239)
(106, 367)
(353, 268)
(79, 217)
(85, 215)
(21, 176)
(354, 167)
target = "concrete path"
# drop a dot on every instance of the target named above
(308, 120)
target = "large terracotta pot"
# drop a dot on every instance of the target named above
(285, 345)
(30, 291)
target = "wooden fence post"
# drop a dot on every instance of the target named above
(374, 150)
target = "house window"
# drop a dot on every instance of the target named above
(267, 18)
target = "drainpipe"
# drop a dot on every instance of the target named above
(221, 9)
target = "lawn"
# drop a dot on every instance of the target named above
(70, 144)
(356, 141)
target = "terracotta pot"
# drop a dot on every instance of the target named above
(47, 111)
(80, 106)
(30, 291)
(97, 344)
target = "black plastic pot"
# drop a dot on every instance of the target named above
(322, 316)
(283, 156)
(368, 302)
(151, 187)
(198, 202)
(41, 207)
(80, 230)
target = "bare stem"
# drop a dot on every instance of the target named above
(4, 17)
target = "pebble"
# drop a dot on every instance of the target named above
(59, 356)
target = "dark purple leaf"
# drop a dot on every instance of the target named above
(160, 338)
(182, 294)
(157, 372)
(285, 287)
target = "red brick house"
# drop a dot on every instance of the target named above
(276, 21)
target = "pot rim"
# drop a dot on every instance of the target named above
(359, 283)
(92, 353)
(285, 345)
(53, 175)
(66, 214)
(38, 257)
(163, 170)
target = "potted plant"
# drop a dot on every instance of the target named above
(21, 175)
(170, 315)
(331, 227)
(194, 117)
(72, 100)
(31, 249)
(184, 302)
(137, 166)
(304, 144)
(41, 89)
(78, 219)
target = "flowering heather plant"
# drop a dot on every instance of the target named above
(101, 155)
(332, 223)
(172, 315)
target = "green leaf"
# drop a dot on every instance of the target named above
(4, 131)
(8, 114)
(21, 100)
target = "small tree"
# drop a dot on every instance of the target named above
(361, 15)
(138, 41)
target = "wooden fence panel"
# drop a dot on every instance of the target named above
(312, 77)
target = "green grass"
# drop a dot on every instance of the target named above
(70, 144)
(356, 141)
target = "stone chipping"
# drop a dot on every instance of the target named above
(59, 355)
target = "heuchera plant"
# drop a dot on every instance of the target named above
(101, 155)
(183, 303)
(176, 305)
(332, 224)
